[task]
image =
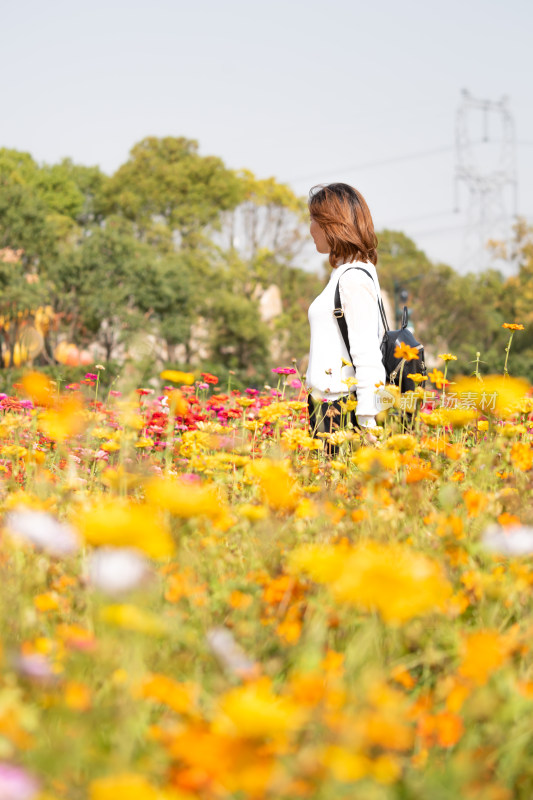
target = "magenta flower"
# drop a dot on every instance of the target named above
(284, 371)
(91, 376)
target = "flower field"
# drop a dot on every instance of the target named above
(198, 603)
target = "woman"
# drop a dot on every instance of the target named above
(341, 226)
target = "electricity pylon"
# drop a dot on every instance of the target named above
(485, 162)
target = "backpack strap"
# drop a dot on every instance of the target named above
(338, 311)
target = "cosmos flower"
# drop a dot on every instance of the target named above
(16, 783)
(516, 540)
(117, 570)
(43, 531)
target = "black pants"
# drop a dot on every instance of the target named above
(329, 417)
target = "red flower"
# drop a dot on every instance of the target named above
(208, 378)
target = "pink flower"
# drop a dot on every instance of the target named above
(91, 376)
(16, 784)
(284, 371)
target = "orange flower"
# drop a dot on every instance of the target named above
(437, 377)
(240, 599)
(406, 352)
(483, 653)
(420, 472)
(522, 456)
(77, 696)
(444, 729)
(507, 520)
(39, 388)
(474, 502)
(180, 697)
(448, 728)
(513, 326)
(403, 677)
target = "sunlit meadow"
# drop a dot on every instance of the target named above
(198, 603)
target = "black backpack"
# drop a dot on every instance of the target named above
(392, 364)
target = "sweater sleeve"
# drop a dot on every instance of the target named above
(359, 301)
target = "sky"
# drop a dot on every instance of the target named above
(305, 91)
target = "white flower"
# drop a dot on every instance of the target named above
(516, 540)
(42, 530)
(117, 570)
(229, 654)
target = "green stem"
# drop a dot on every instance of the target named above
(444, 382)
(507, 350)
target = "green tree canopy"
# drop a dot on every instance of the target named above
(168, 179)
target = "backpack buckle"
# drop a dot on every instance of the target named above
(338, 313)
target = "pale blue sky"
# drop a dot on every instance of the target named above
(304, 91)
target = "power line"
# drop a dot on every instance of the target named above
(445, 213)
(380, 163)
(393, 160)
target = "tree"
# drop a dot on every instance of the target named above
(97, 283)
(167, 180)
(238, 338)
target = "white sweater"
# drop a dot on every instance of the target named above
(325, 372)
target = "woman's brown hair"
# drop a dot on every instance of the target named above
(342, 213)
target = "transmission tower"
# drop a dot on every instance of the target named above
(485, 161)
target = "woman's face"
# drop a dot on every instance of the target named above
(319, 237)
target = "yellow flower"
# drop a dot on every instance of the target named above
(126, 786)
(401, 442)
(132, 618)
(457, 417)
(251, 512)
(274, 411)
(176, 376)
(144, 441)
(306, 509)
(447, 357)
(184, 499)
(123, 523)
(396, 581)
(63, 421)
(417, 377)
(255, 711)
(298, 437)
(368, 459)
(344, 764)
(511, 431)
(39, 388)
(349, 382)
(276, 483)
(46, 602)
(495, 395)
